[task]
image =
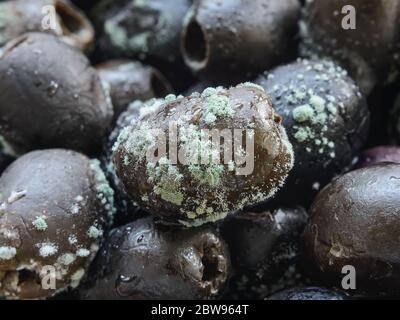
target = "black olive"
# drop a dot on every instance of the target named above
(146, 260)
(130, 81)
(379, 154)
(57, 98)
(355, 222)
(370, 51)
(53, 208)
(263, 247)
(140, 29)
(326, 118)
(238, 39)
(193, 191)
(71, 25)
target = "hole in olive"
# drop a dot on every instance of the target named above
(70, 21)
(277, 118)
(194, 43)
(158, 85)
(26, 275)
(210, 263)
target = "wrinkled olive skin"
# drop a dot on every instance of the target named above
(146, 260)
(369, 51)
(308, 293)
(130, 81)
(20, 16)
(59, 186)
(239, 39)
(332, 138)
(263, 245)
(185, 199)
(57, 98)
(379, 154)
(355, 221)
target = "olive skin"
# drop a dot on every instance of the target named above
(254, 238)
(57, 98)
(5, 160)
(379, 154)
(263, 246)
(7, 155)
(326, 118)
(54, 206)
(71, 26)
(130, 81)
(146, 260)
(199, 86)
(370, 51)
(308, 293)
(193, 192)
(220, 40)
(355, 221)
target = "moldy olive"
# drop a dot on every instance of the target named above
(54, 206)
(370, 49)
(326, 118)
(199, 184)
